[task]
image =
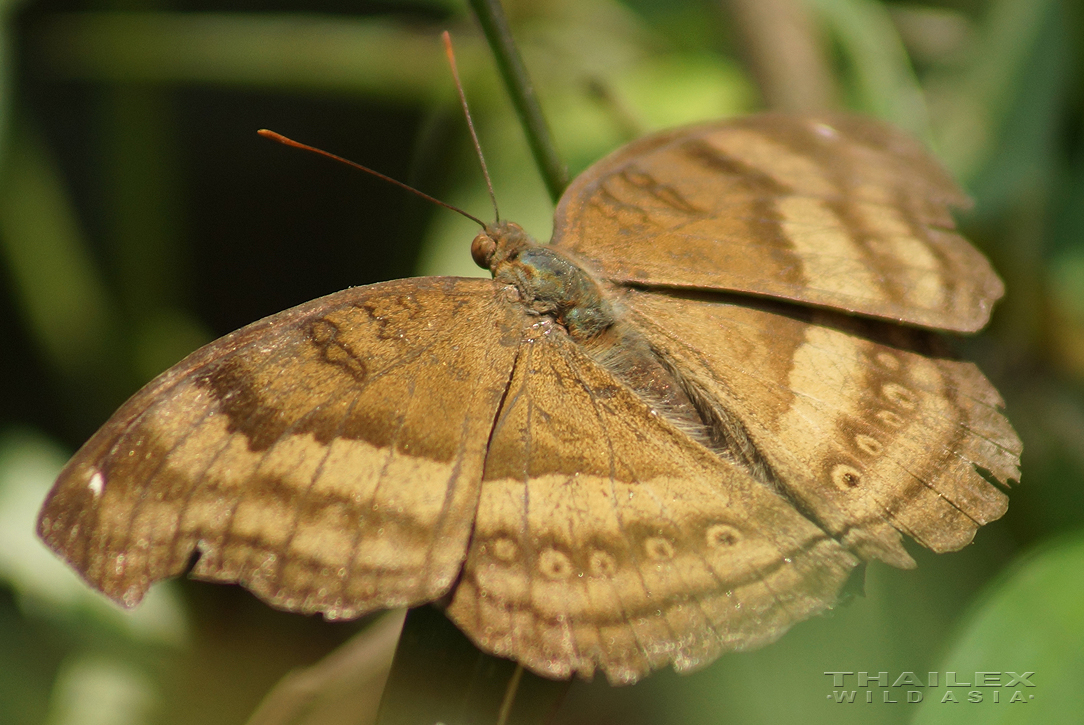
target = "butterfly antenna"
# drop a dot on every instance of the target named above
(320, 152)
(447, 38)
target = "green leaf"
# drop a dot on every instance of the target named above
(61, 293)
(1032, 620)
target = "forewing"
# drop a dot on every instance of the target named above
(606, 539)
(866, 427)
(835, 211)
(328, 457)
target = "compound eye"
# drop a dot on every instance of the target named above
(482, 249)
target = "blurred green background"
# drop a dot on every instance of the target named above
(141, 216)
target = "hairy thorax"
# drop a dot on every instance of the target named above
(552, 284)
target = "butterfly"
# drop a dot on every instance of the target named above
(674, 431)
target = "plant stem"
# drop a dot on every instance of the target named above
(439, 676)
(495, 26)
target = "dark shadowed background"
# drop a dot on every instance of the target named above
(141, 216)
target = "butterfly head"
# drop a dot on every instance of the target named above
(499, 242)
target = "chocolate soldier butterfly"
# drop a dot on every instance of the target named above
(673, 431)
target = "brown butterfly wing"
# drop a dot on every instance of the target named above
(327, 458)
(840, 212)
(607, 539)
(867, 429)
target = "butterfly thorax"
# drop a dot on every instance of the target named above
(549, 282)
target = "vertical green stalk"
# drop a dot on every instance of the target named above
(495, 26)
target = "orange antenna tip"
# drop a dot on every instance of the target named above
(320, 152)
